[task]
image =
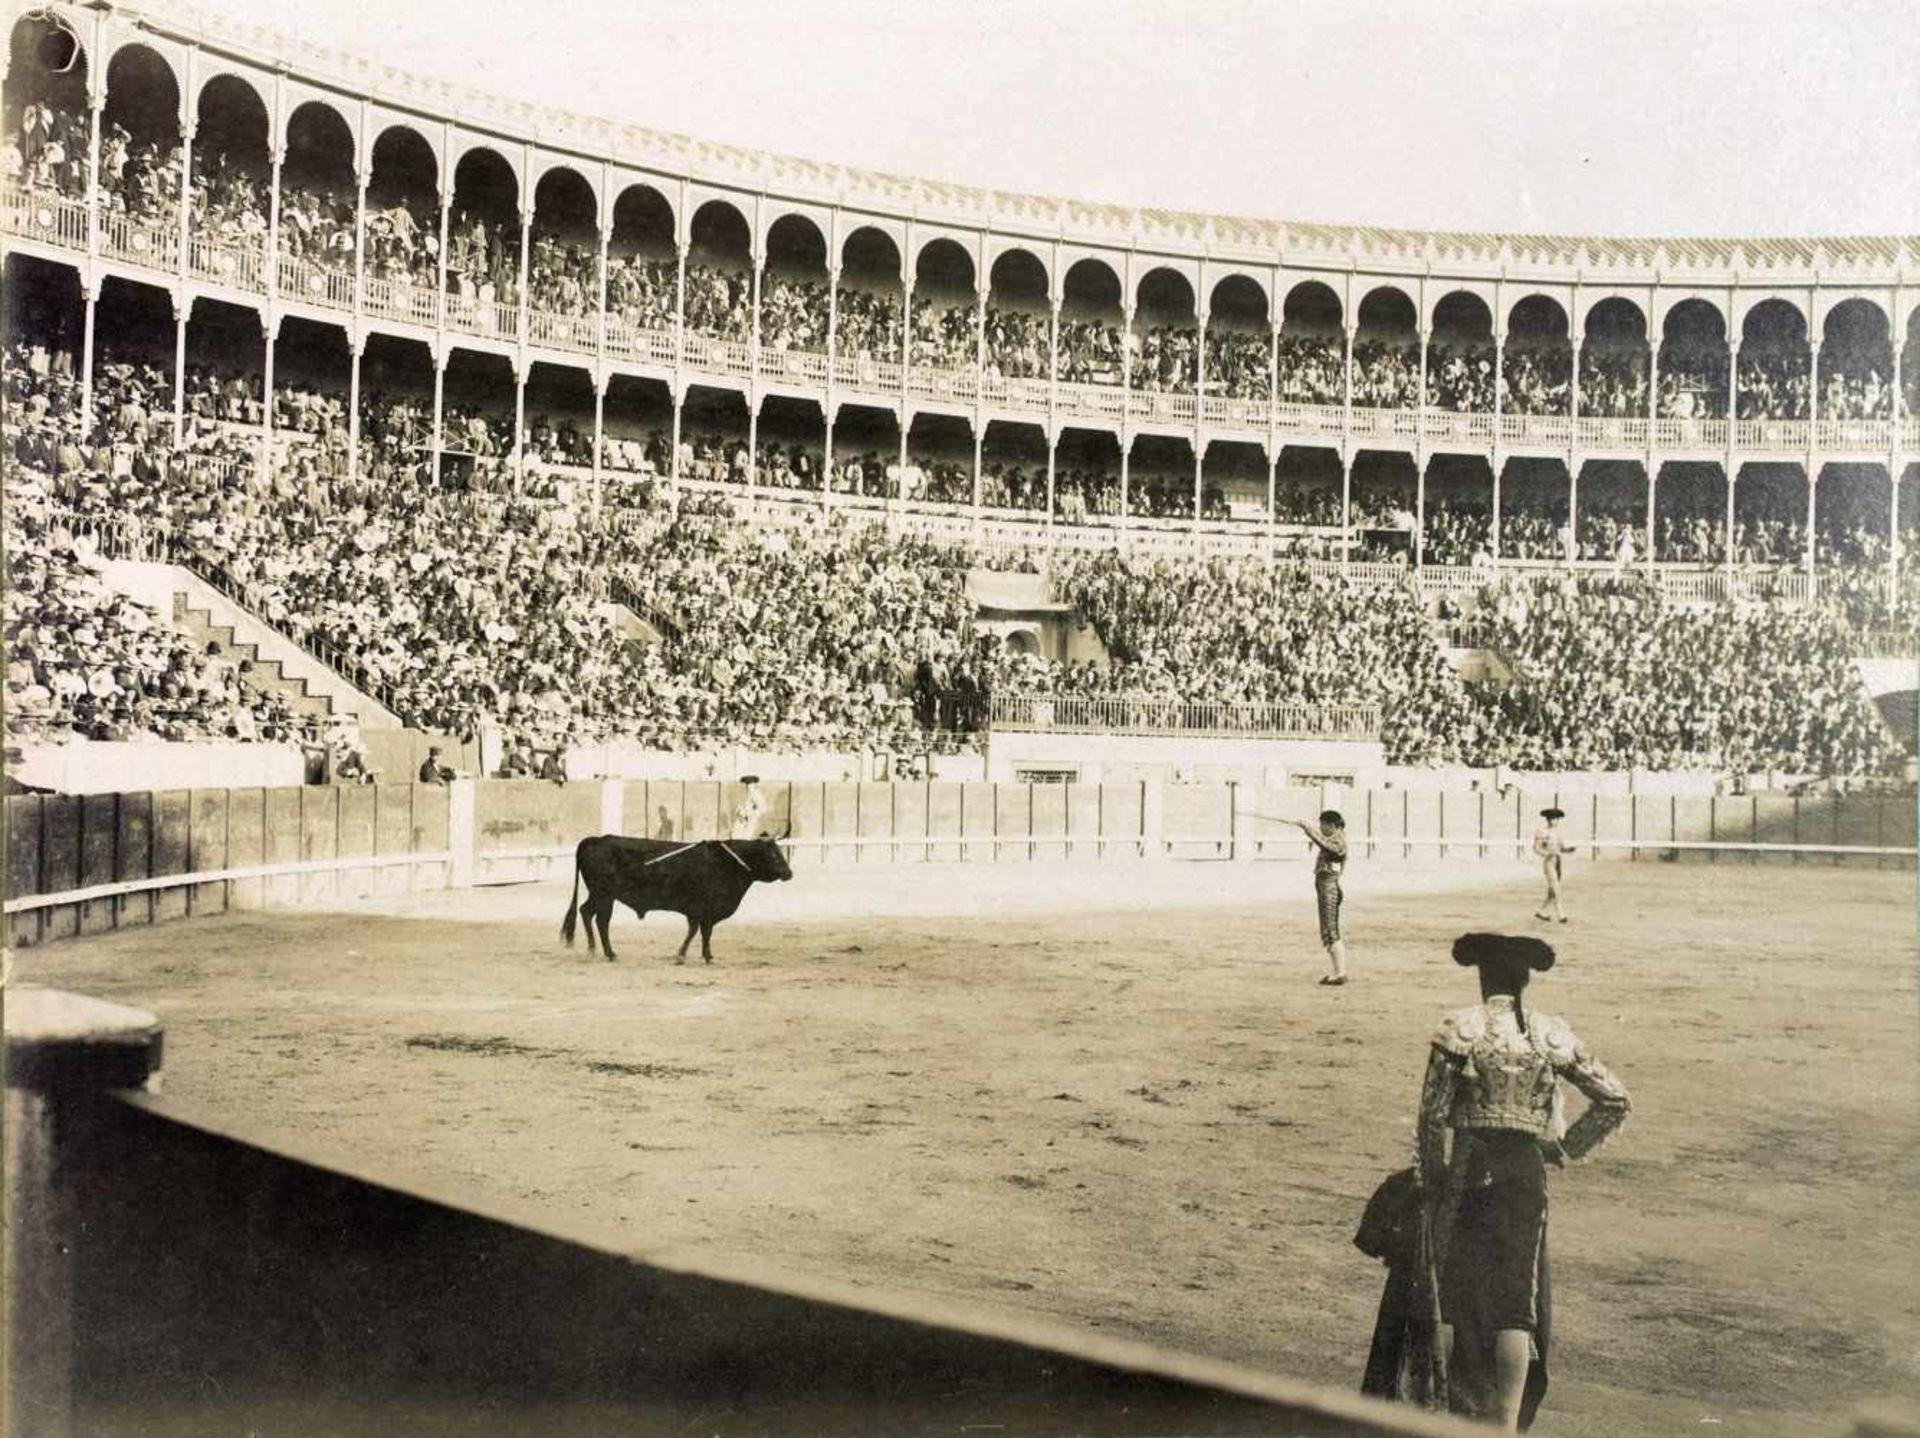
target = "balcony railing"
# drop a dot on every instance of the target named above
(242, 266)
(1787, 436)
(1127, 714)
(1610, 432)
(401, 299)
(1680, 434)
(141, 241)
(1311, 418)
(577, 333)
(43, 215)
(497, 319)
(648, 346)
(307, 283)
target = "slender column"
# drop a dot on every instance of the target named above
(270, 325)
(833, 325)
(1896, 439)
(1733, 429)
(833, 378)
(356, 347)
(759, 258)
(899, 494)
(182, 312)
(1578, 342)
(1273, 388)
(1653, 420)
(440, 300)
(1126, 410)
(599, 423)
(440, 356)
(523, 330)
(1420, 511)
(272, 261)
(520, 368)
(360, 238)
(1499, 380)
(1653, 491)
(978, 439)
(753, 443)
(1346, 506)
(1273, 464)
(1813, 449)
(906, 349)
(680, 328)
(96, 105)
(1053, 454)
(679, 401)
(1493, 538)
(1573, 510)
(86, 355)
(1499, 383)
(1346, 386)
(826, 458)
(1199, 420)
(600, 288)
(187, 128)
(1422, 427)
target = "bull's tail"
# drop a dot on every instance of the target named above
(573, 909)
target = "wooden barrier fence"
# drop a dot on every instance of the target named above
(83, 864)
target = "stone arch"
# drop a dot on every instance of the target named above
(1312, 297)
(998, 249)
(320, 148)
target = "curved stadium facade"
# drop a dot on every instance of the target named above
(1151, 375)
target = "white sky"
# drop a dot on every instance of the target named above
(1599, 116)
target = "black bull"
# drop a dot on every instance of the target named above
(705, 881)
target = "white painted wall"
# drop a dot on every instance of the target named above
(1137, 758)
(100, 767)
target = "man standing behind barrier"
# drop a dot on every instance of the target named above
(750, 814)
(1330, 857)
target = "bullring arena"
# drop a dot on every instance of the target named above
(375, 538)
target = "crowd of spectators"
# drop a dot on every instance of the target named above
(1693, 385)
(48, 152)
(642, 293)
(1773, 383)
(1091, 350)
(84, 660)
(867, 326)
(944, 335)
(1613, 383)
(316, 228)
(1386, 375)
(483, 267)
(1218, 630)
(563, 276)
(1460, 377)
(1536, 379)
(1311, 369)
(1610, 674)
(1019, 344)
(720, 302)
(1239, 364)
(1166, 359)
(485, 606)
(229, 209)
(794, 313)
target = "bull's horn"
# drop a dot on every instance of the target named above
(787, 833)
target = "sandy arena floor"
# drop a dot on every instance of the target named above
(1115, 1096)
